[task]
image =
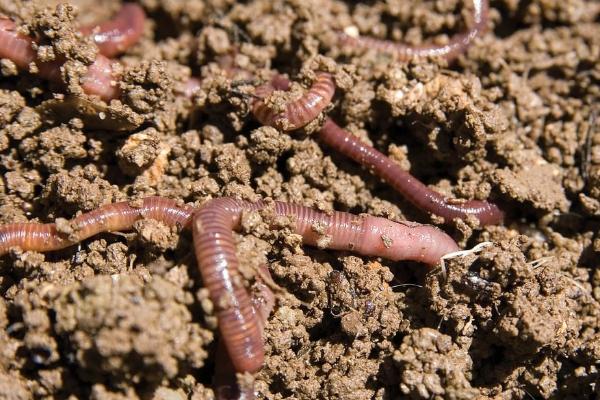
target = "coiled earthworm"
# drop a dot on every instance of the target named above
(116, 35)
(403, 182)
(457, 45)
(214, 246)
(100, 79)
(297, 113)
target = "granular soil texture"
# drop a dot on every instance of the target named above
(125, 316)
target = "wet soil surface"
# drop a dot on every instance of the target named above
(126, 316)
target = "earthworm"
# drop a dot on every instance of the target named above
(18, 48)
(112, 37)
(215, 251)
(403, 182)
(366, 235)
(214, 246)
(101, 80)
(116, 35)
(225, 382)
(110, 217)
(98, 80)
(349, 145)
(457, 45)
(297, 113)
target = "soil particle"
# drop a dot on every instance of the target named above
(79, 190)
(16, 119)
(51, 149)
(524, 186)
(12, 388)
(432, 367)
(22, 184)
(267, 145)
(106, 259)
(139, 151)
(58, 39)
(364, 315)
(148, 90)
(10, 105)
(232, 164)
(157, 236)
(150, 319)
(458, 107)
(534, 304)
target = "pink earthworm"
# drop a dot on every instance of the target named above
(457, 45)
(215, 251)
(297, 113)
(366, 235)
(113, 36)
(108, 218)
(214, 245)
(98, 80)
(403, 182)
(119, 33)
(225, 382)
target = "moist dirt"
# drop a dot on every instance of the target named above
(125, 315)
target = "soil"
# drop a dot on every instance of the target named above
(125, 315)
